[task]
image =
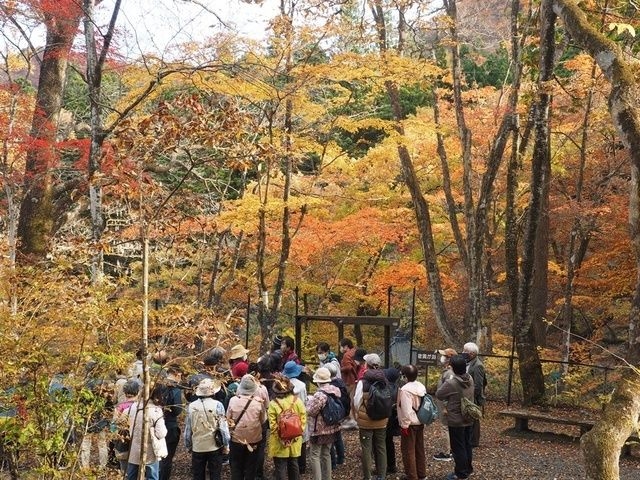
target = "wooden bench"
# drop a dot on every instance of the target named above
(522, 418)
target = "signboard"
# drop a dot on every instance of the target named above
(427, 359)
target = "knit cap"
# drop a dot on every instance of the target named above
(248, 385)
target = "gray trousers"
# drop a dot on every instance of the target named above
(320, 459)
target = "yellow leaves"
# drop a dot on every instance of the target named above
(16, 63)
(352, 125)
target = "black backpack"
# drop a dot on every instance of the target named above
(344, 397)
(333, 411)
(380, 402)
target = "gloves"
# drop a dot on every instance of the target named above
(404, 432)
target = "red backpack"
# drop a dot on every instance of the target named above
(289, 423)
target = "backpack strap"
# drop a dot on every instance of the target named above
(419, 403)
(282, 409)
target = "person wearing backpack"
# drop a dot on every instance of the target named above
(475, 368)
(412, 436)
(460, 428)
(372, 396)
(323, 433)
(293, 371)
(337, 449)
(444, 454)
(246, 413)
(393, 427)
(206, 432)
(286, 415)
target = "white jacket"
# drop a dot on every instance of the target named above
(156, 420)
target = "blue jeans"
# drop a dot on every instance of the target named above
(151, 471)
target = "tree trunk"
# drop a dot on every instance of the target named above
(268, 315)
(513, 167)
(601, 446)
(95, 66)
(475, 294)
(530, 367)
(420, 204)
(539, 290)
(452, 208)
(423, 219)
(37, 224)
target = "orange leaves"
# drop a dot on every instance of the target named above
(367, 229)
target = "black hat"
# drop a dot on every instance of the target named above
(458, 364)
(359, 355)
(277, 341)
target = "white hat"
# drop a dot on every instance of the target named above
(322, 375)
(207, 387)
(372, 359)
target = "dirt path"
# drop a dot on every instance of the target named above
(502, 455)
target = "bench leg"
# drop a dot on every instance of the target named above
(522, 424)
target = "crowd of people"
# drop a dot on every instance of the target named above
(236, 412)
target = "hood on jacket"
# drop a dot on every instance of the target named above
(374, 375)
(329, 388)
(464, 380)
(416, 388)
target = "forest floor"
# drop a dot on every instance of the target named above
(552, 452)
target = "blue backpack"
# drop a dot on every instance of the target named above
(427, 413)
(333, 411)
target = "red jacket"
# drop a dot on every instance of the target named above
(348, 367)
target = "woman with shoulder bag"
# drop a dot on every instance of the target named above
(245, 415)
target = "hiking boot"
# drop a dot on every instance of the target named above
(443, 457)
